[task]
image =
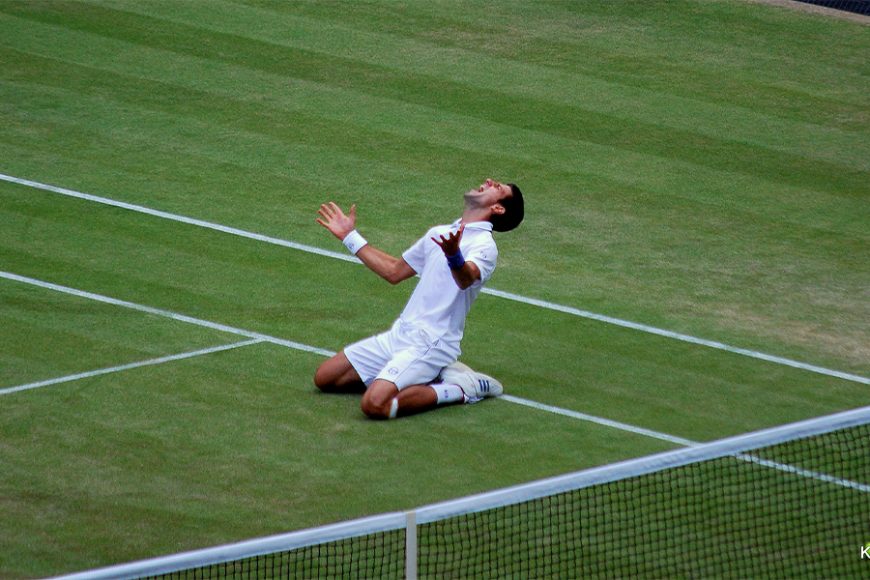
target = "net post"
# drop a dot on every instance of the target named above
(411, 545)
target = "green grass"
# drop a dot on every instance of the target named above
(696, 166)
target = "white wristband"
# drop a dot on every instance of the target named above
(354, 242)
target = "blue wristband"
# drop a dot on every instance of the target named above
(456, 261)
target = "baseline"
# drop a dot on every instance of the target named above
(493, 292)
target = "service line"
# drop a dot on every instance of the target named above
(128, 366)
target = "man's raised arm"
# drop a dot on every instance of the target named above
(464, 273)
(343, 227)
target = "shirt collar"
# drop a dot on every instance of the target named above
(486, 226)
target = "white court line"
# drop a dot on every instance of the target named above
(134, 365)
(506, 295)
(683, 337)
(805, 472)
(165, 313)
(179, 218)
(311, 349)
(689, 443)
(599, 421)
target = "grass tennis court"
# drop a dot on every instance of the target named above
(696, 166)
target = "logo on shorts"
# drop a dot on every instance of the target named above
(393, 371)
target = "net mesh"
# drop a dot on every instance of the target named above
(380, 555)
(800, 508)
(727, 517)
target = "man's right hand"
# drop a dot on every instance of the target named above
(333, 219)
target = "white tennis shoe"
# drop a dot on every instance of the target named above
(476, 386)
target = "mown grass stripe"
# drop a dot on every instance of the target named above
(536, 85)
(582, 150)
(743, 137)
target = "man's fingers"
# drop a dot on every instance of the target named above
(330, 210)
(325, 215)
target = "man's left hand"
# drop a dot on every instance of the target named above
(450, 244)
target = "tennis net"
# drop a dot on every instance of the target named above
(784, 502)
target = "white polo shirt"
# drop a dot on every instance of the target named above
(438, 305)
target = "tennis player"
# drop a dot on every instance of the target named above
(413, 366)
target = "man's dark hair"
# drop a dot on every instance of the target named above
(513, 211)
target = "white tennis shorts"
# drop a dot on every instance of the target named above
(405, 355)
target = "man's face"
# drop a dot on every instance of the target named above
(488, 194)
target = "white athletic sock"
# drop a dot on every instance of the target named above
(448, 393)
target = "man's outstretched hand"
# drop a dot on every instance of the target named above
(333, 219)
(450, 244)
